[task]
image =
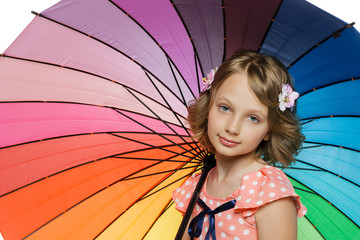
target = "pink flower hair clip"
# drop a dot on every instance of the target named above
(287, 97)
(209, 79)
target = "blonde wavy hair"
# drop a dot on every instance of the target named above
(266, 75)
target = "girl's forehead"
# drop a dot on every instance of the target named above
(236, 90)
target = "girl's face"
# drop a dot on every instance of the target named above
(237, 120)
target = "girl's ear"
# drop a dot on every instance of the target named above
(267, 136)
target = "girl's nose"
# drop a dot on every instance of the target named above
(234, 126)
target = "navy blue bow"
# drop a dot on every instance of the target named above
(196, 224)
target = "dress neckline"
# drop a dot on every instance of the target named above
(237, 190)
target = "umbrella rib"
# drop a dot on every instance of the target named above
(106, 44)
(93, 74)
(168, 205)
(335, 34)
(271, 23)
(165, 53)
(153, 146)
(158, 173)
(310, 119)
(175, 114)
(176, 81)
(151, 159)
(313, 225)
(145, 105)
(224, 27)
(197, 72)
(330, 84)
(307, 191)
(332, 145)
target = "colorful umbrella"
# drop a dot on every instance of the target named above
(93, 113)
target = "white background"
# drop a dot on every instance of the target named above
(15, 15)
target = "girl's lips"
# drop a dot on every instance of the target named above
(227, 142)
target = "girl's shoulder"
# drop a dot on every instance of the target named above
(182, 194)
(265, 186)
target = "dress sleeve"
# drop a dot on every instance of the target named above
(182, 194)
(267, 185)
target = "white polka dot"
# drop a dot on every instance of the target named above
(197, 207)
(304, 212)
(248, 200)
(272, 185)
(221, 224)
(263, 183)
(206, 229)
(255, 183)
(238, 198)
(252, 191)
(188, 195)
(218, 204)
(236, 207)
(261, 193)
(183, 191)
(232, 228)
(242, 187)
(236, 238)
(181, 204)
(246, 177)
(258, 174)
(283, 189)
(271, 194)
(248, 213)
(219, 214)
(178, 189)
(188, 182)
(241, 221)
(228, 217)
(177, 200)
(223, 235)
(280, 178)
(205, 219)
(211, 201)
(259, 202)
(246, 232)
(204, 199)
(269, 172)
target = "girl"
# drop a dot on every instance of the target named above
(247, 118)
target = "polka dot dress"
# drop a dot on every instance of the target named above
(257, 188)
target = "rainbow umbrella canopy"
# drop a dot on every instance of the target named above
(93, 113)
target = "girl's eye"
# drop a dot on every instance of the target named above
(253, 119)
(224, 108)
